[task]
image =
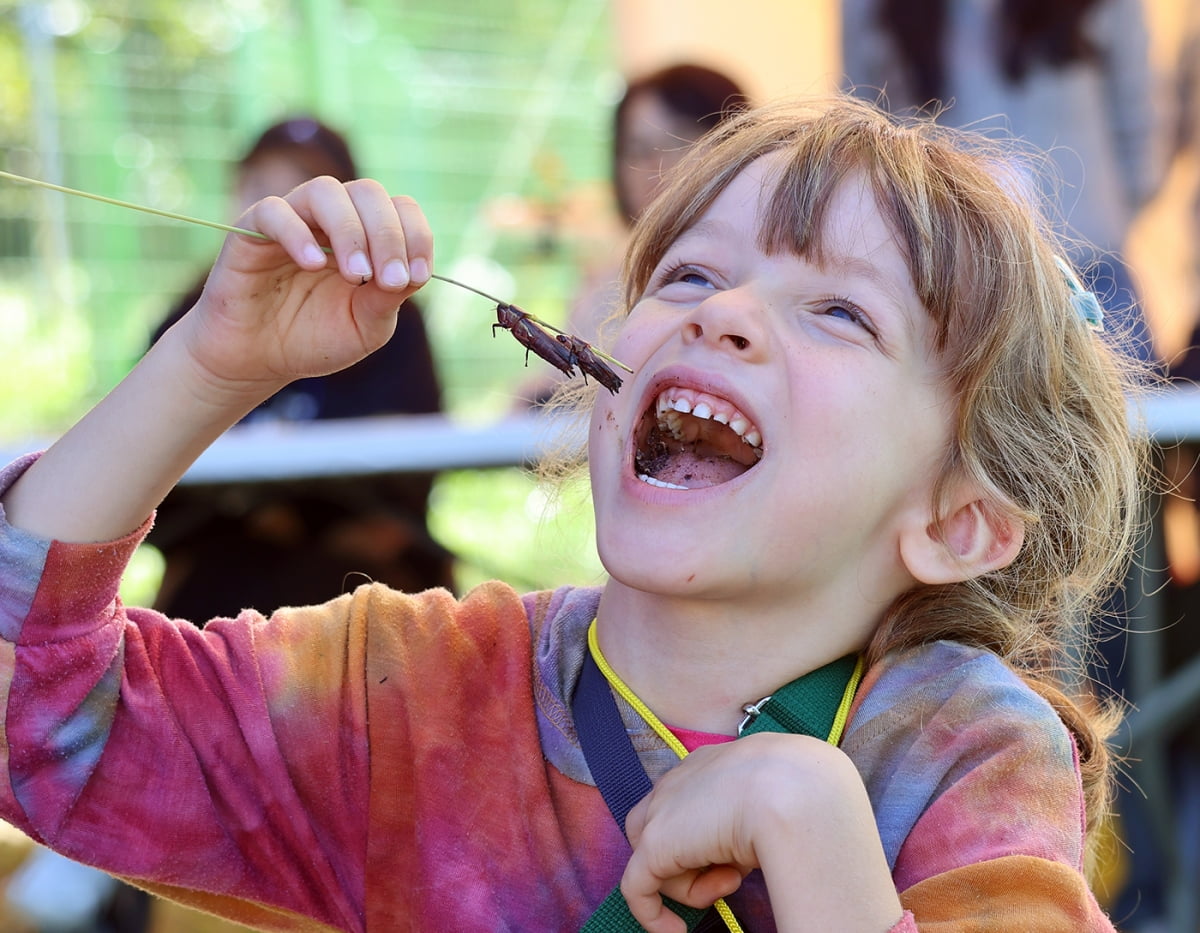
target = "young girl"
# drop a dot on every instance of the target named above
(867, 421)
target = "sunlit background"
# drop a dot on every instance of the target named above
(494, 114)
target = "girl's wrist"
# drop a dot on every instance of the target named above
(814, 820)
(150, 428)
(201, 393)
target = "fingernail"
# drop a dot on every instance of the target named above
(312, 254)
(359, 264)
(419, 271)
(395, 274)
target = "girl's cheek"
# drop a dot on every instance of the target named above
(605, 420)
(634, 339)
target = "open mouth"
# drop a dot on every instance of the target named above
(690, 440)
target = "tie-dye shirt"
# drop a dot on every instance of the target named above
(390, 762)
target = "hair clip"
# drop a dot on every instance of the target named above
(1085, 302)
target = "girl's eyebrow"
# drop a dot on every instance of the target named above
(704, 227)
(859, 268)
(901, 300)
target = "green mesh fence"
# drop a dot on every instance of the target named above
(495, 115)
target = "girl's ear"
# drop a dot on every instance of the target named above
(977, 537)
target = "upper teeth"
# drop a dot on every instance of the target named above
(676, 401)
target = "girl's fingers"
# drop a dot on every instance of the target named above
(683, 862)
(372, 236)
(418, 237)
(653, 915)
(643, 887)
(704, 887)
(392, 237)
(326, 205)
(277, 220)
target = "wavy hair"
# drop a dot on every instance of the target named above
(1042, 421)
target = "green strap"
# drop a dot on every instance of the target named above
(613, 915)
(807, 706)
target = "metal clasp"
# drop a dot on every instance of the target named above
(752, 711)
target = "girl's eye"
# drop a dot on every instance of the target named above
(848, 311)
(685, 274)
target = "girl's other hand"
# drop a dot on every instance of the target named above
(282, 309)
(791, 805)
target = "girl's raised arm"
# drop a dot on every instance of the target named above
(273, 311)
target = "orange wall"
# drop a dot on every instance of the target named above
(771, 47)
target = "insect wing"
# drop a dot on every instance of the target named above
(590, 364)
(531, 337)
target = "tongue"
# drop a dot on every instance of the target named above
(685, 468)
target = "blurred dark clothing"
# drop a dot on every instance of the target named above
(1073, 82)
(1181, 595)
(270, 544)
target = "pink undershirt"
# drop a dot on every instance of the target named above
(692, 740)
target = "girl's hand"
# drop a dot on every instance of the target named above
(273, 311)
(282, 309)
(791, 805)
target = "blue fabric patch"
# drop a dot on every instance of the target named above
(23, 556)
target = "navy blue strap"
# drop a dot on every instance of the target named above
(622, 782)
(611, 757)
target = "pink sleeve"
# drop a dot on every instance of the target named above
(976, 786)
(116, 720)
(1001, 847)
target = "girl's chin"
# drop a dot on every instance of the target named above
(673, 556)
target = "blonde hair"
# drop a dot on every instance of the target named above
(1042, 423)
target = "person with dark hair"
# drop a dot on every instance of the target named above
(267, 544)
(1071, 78)
(290, 152)
(659, 116)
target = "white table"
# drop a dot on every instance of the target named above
(286, 450)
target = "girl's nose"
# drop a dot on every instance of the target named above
(732, 320)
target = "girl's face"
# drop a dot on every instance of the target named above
(785, 420)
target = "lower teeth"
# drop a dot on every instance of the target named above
(658, 482)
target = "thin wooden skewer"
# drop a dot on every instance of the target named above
(130, 206)
(229, 228)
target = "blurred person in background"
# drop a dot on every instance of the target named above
(659, 116)
(292, 543)
(1180, 514)
(1070, 78)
